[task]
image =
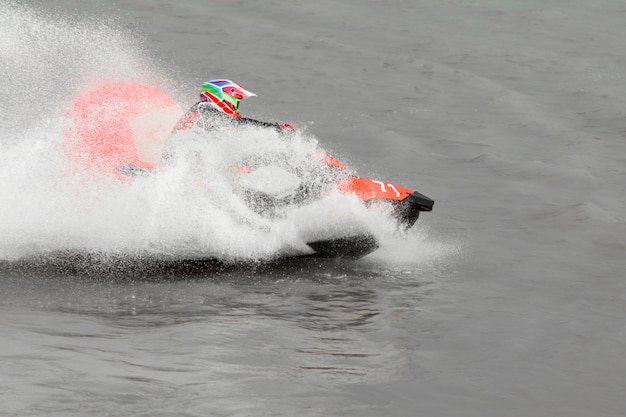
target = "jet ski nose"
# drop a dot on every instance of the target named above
(408, 210)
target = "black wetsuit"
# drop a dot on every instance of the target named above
(204, 115)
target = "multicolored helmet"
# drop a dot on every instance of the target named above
(224, 95)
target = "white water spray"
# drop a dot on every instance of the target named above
(45, 61)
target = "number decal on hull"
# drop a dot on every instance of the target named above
(384, 189)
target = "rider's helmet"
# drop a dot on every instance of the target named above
(224, 95)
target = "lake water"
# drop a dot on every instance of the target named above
(508, 299)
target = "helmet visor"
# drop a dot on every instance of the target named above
(233, 101)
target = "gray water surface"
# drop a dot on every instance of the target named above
(507, 300)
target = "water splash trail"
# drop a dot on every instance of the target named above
(46, 60)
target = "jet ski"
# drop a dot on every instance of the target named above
(272, 191)
(121, 130)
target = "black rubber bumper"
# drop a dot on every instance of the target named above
(353, 247)
(408, 210)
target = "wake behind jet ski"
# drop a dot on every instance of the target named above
(121, 130)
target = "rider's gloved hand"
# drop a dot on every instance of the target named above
(286, 128)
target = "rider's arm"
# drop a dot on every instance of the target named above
(205, 115)
(280, 127)
(258, 123)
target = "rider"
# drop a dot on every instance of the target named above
(219, 102)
